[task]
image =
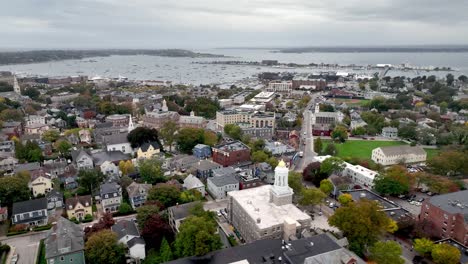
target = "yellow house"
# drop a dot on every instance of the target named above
(148, 150)
(40, 184)
(79, 207)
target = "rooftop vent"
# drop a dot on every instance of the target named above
(259, 220)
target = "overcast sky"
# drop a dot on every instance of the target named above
(229, 23)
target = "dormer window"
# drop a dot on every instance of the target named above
(115, 194)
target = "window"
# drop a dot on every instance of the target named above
(62, 258)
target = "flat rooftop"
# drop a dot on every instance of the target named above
(366, 194)
(256, 203)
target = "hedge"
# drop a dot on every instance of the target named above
(41, 228)
(14, 233)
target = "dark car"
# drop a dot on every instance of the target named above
(421, 199)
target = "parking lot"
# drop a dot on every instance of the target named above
(414, 209)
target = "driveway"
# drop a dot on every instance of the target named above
(26, 246)
(215, 205)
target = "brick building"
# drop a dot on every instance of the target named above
(231, 153)
(446, 216)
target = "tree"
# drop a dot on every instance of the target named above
(311, 196)
(11, 115)
(345, 199)
(340, 133)
(233, 130)
(259, 156)
(272, 161)
(63, 146)
(32, 92)
(407, 131)
(331, 149)
(168, 133)
(103, 247)
(362, 222)
(332, 165)
(151, 171)
(154, 230)
(444, 253)
(188, 137)
(167, 194)
(450, 162)
(30, 152)
(394, 181)
(450, 79)
(358, 131)
(15, 188)
(144, 213)
(326, 186)
(51, 135)
(463, 78)
(196, 236)
(295, 182)
(318, 145)
(210, 138)
(423, 246)
(126, 167)
(188, 196)
(312, 173)
(141, 135)
(165, 252)
(386, 252)
(125, 208)
(105, 222)
(90, 179)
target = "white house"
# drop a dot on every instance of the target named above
(192, 182)
(128, 234)
(117, 142)
(390, 132)
(109, 168)
(395, 154)
(219, 186)
(83, 160)
(85, 136)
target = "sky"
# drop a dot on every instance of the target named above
(198, 24)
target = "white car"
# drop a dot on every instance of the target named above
(14, 259)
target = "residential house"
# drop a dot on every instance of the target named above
(395, 154)
(193, 183)
(8, 164)
(178, 213)
(36, 129)
(3, 214)
(148, 150)
(79, 206)
(110, 169)
(202, 151)
(70, 183)
(117, 142)
(128, 234)
(183, 162)
(115, 157)
(85, 136)
(54, 200)
(137, 193)
(204, 168)
(111, 196)
(219, 186)
(232, 153)
(65, 243)
(278, 148)
(82, 159)
(40, 185)
(31, 212)
(390, 132)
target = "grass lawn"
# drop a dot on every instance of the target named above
(351, 102)
(363, 148)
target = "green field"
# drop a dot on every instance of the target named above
(351, 102)
(363, 148)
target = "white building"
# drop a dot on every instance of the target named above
(128, 234)
(253, 119)
(35, 119)
(219, 186)
(263, 97)
(278, 148)
(192, 182)
(267, 211)
(390, 132)
(110, 169)
(117, 142)
(395, 154)
(280, 86)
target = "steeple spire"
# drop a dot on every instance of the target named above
(131, 126)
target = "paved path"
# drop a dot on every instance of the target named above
(26, 246)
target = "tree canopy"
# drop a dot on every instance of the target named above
(234, 131)
(103, 247)
(141, 135)
(167, 194)
(386, 252)
(151, 171)
(444, 253)
(394, 181)
(90, 179)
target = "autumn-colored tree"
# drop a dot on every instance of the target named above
(103, 247)
(326, 186)
(423, 246)
(126, 167)
(345, 199)
(106, 222)
(444, 253)
(394, 181)
(386, 252)
(155, 229)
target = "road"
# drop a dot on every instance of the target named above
(307, 137)
(26, 246)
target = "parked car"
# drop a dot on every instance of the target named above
(421, 199)
(14, 259)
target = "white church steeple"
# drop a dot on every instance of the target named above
(164, 106)
(16, 87)
(131, 126)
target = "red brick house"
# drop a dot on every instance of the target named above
(446, 216)
(231, 153)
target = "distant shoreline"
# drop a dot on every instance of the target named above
(361, 49)
(38, 56)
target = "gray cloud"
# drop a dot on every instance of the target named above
(212, 23)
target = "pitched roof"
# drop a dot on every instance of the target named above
(223, 180)
(402, 150)
(73, 201)
(30, 205)
(135, 241)
(181, 211)
(146, 145)
(109, 187)
(77, 153)
(134, 188)
(28, 166)
(113, 156)
(125, 228)
(65, 237)
(115, 139)
(54, 193)
(192, 182)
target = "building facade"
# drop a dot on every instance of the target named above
(231, 153)
(137, 193)
(395, 154)
(280, 86)
(79, 206)
(111, 197)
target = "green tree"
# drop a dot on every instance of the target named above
(32, 92)
(326, 186)
(386, 252)
(188, 196)
(151, 171)
(311, 173)
(362, 222)
(63, 146)
(165, 251)
(463, 78)
(340, 133)
(188, 137)
(423, 246)
(168, 133)
(125, 208)
(51, 135)
(90, 179)
(450, 162)
(444, 253)
(272, 161)
(358, 131)
(210, 138)
(167, 194)
(345, 199)
(318, 145)
(103, 247)
(332, 165)
(450, 79)
(295, 181)
(144, 213)
(196, 237)
(15, 188)
(311, 196)
(234, 131)
(259, 156)
(330, 149)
